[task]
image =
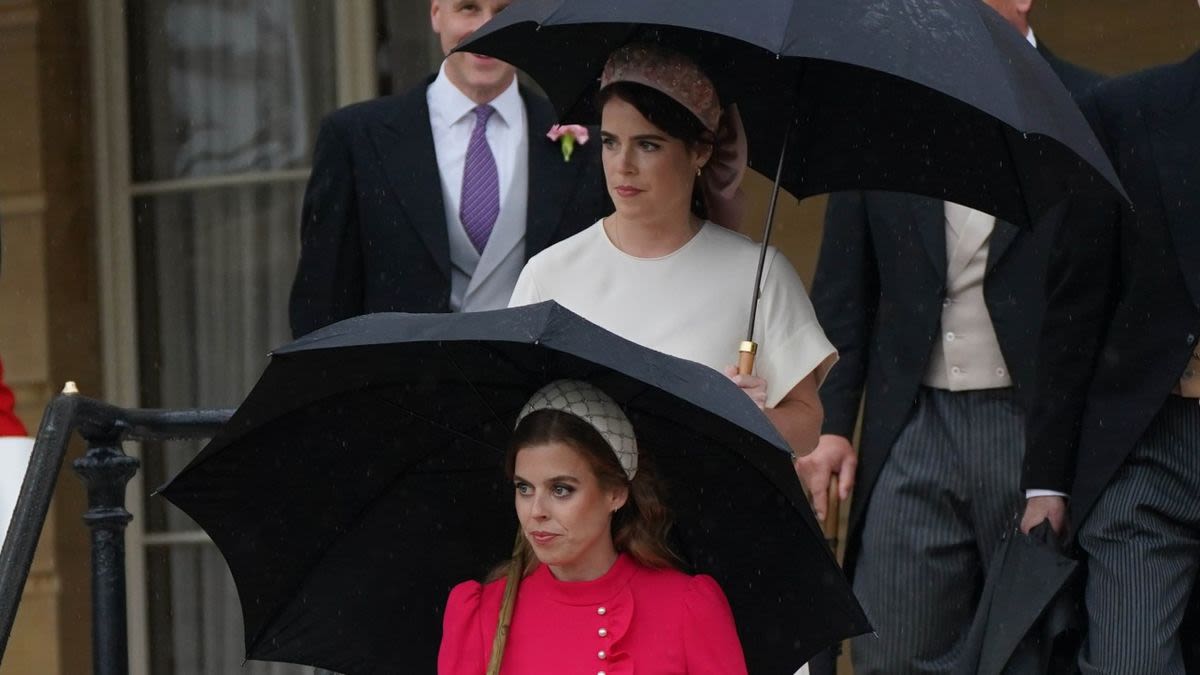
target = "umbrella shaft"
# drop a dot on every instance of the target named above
(766, 238)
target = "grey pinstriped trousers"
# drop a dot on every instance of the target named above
(1142, 542)
(948, 490)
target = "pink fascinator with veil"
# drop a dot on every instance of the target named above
(675, 75)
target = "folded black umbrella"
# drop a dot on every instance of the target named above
(935, 97)
(1190, 634)
(362, 478)
(1027, 622)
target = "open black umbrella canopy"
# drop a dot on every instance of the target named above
(934, 97)
(362, 478)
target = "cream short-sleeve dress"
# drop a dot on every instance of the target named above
(693, 303)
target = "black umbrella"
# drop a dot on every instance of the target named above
(362, 478)
(934, 97)
(1027, 622)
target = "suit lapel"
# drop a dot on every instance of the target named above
(1176, 149)
(968, 242)
(1056, 64)
(929, 217)
(406, 155)
(549, 176)
(1050, 58)
(505, 237)
(1170, 115)
(1002, 237)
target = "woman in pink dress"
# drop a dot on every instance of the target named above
(591, 588)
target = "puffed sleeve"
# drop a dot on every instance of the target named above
(710, 637)
(792, 343)
(462, 651)
(526, 292)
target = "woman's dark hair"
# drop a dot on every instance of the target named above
(663, 111)
(667, 114)
(640, 527)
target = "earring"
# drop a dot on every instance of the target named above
(698, 170)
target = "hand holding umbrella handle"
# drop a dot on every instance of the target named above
(746, 352)
(745, 366)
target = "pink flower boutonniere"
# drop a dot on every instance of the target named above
(567, 136)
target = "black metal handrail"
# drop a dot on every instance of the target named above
(105, 470)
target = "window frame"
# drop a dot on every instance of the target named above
(115, 192)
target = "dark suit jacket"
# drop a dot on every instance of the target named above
(878, 293)
(1123, 305)
(1124, 291)
(373, 224)
(1077, 80)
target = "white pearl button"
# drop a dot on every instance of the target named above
(601, 611)
(601, 655)
(603, 632)
(947, 302)
(950, 337)
(1000, 372)
(956, 370)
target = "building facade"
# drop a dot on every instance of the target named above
(153, 154)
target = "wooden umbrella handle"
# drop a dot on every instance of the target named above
(746, 352)
(832, 513)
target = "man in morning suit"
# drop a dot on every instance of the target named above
(432, 200)
(934, 309)
(1116, 419)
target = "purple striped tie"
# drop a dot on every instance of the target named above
(481, 183)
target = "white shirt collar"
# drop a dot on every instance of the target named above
(1029, 36)
(449, 106)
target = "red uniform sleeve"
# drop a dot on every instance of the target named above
(462, 651)
(9, 424)
(710, 636)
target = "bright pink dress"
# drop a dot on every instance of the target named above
(633, 620)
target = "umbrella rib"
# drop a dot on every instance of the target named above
(657, 416)
(260, 636)
(471, 384)
(813, 526)
(439, 426)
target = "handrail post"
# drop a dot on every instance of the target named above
(106, 470)
(33, 503)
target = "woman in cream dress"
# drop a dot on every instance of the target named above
(659, 271)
